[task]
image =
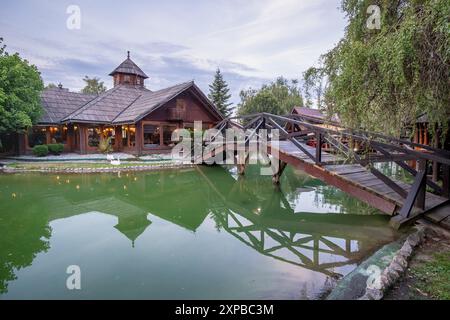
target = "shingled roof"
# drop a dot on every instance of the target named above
(149, 102)
(59, 102)
(313, 113)
(125, 103)
(129, 67)
(119, 105)
(105, 107)
(309, 112)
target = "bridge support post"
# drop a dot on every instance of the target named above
(276, 177)
(446, 181)
(420, 201)
(318, 147)
(242, 163)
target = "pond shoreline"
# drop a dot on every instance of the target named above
(90, 167)
(409, 268)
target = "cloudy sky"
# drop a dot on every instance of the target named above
(252, 41)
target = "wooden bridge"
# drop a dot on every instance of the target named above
(347, 159)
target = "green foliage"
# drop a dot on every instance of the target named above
(20, 88)
(93, 86)
(51, 86)
(314, 87)
(434, 276)
(40, 150)
(219, 94)
(278, 97)
(382, 79)
(55, 148)
(104, 146)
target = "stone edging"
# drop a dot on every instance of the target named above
(396, 268)
(100, 170)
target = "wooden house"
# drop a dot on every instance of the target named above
(137, 119)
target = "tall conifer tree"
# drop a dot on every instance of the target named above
(219, 94)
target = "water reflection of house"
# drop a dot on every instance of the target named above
(132, 226)
(250, 212)
(132, 220)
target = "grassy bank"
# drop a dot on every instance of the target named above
(428, 275)
(433, 277)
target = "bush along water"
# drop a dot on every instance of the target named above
(55, 148)
(40, 150)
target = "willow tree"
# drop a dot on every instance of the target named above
(381, 78)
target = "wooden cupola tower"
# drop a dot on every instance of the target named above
(128, 73)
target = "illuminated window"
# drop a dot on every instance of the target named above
(151, 136)
(58, 134)
(167, 134)
(37, 136)
(93, 135)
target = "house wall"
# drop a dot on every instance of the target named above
(189, 109)
(180, 112)
(120, 78)
(24, 143)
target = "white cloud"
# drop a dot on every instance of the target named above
(251, 41)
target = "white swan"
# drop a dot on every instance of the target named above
(115, 162)
(109, 157)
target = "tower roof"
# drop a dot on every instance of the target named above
(129, 67)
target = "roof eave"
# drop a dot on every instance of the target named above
(162, 103)
(212, 108)
(40, 124)
(209, 102)
(86, 121)
(143, 75)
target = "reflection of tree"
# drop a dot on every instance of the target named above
(392, 170)
(183, 197)
(344, 202)
(293, 184)
(23, 235)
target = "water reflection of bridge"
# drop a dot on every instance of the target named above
(255, 236)
(318, 242)
(264, 219)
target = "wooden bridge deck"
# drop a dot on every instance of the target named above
(351, 178)
(345, 169)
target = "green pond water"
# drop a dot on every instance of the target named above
(199, 233)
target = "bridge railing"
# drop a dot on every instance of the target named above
(340, 140)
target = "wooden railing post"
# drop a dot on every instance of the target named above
(420, 201)
(446, 181)
(318, 147)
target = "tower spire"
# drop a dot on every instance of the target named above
(128, 73)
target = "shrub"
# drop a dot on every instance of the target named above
(55, 148)
(105, 145)
(40, 150)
